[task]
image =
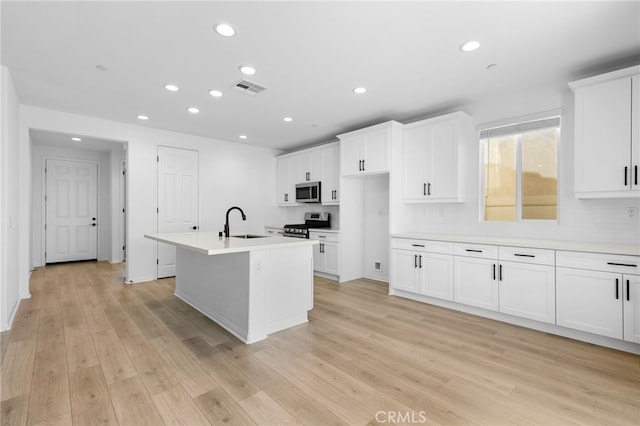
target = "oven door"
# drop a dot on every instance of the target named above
(308, 192)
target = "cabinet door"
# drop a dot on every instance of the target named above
(331, 258)
(437, 276)
(304, 167)
(318, 258)
(603, 136)
(330, 175)
(631, 307)
(309, 166)
(475, 283)
(589, 301)
(528, 291)
(442, 168)
(286, 171)
(414, 157)
(351, 158)
(376, 151)
(405, 273)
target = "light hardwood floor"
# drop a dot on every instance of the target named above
(87, 349)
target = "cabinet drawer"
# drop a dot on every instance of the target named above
(429, 246)
(527, 255)
(325, 236)
(484, 251)
(274, 231)
(599, 262)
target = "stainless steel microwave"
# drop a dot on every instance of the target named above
(308, 192)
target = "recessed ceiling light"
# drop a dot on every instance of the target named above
(288, 119)
(360, 90)
(76, 139)
(243, 136)
(143, 117)
(171, 87)
(470, 46)
(193, 110)
(225, 30)
(215, 93)
(247, 70)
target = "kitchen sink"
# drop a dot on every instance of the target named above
(247, 236)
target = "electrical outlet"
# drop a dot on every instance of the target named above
(632, 212)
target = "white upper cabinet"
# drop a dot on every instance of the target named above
(367, 151)
(287, 176)
(330, 177)
(607, 135)
(310, 165)
(431, 152)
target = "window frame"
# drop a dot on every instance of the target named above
(516, 122)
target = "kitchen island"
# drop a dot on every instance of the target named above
(250, 285)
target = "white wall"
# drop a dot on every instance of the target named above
(105, 211)
(580, 220)
(10, 218)
(231, 174)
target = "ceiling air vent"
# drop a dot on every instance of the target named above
(248, 87)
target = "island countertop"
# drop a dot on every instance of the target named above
(210, 243)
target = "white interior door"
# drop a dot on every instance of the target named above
(71, 211)
(177, 200)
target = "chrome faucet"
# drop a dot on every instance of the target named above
(226, 224)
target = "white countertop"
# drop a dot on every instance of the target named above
(584, 246)
(210, 244)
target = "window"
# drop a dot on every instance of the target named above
(520, 173)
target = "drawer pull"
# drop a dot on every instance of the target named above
(630, 265)
(322, 236)
(524, 255)
(473, 251)
(417, 245)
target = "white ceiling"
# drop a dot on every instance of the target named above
(310, 55)
(63, 140)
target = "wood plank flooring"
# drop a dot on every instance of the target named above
(88, 349)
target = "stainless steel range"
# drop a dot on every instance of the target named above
(311, 220)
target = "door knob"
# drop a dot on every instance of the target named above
(93, 224)
(93, 218)
(194, 227)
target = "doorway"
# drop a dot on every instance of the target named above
(71, 204)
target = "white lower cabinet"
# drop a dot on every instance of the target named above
(528, 290)
(631, 308)
(405, 274)
(422, 267)
(437, 276)
(326, 254)
(527, 281)
(596, 295)
(590, 301)
(475, 282)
